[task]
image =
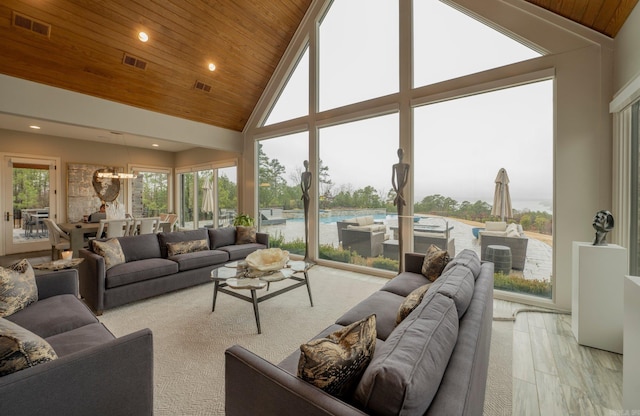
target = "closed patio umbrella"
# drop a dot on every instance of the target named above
(207, 200)
(501, 197)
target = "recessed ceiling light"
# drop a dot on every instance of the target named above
(143, 36)
(155, 145)
(212, 67)
(34, 127)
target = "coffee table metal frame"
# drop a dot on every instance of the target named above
(224, 284)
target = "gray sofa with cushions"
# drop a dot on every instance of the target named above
(95, 372)
(434, 362)
(151, 270)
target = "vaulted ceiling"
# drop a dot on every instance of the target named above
(92, 47)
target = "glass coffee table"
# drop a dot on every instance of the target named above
(235, 276)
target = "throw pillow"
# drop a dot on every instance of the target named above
(182, 247)
(245, 235)
(111, 251)
(336, 363)
(20, 349)
(412, 300)
(434, 262)
(17, 287)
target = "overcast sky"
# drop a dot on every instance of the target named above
(459, 145)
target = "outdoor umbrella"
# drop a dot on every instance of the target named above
(501, 197)
(207, 200)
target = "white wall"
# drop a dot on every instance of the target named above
(626, 63)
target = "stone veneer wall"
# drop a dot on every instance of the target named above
(81, 197)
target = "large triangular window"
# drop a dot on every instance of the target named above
(448, 44)
(293, 100)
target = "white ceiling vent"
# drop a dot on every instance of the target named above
(31, 24)
(202, 86)
(134, 62)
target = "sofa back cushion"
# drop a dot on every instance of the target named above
(222, 237)
(179, 236)
(495, 226)
(140, 247)
(467, 258)
(405, 372)
(458, 284)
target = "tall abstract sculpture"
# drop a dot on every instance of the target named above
(305, 185)
(399, 178)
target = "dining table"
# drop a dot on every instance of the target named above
(78, 231)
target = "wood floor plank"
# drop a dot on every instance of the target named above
(525, 398)
(543, 359)
(536, 320)
(523, 366)
(550, 396)
(579, 403)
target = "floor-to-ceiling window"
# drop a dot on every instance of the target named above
(150, 192)
(457, 96)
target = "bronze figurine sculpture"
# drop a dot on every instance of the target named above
(602, 223)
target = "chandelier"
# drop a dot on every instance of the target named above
(113, 174)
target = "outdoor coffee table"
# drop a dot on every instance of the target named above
(233, 276)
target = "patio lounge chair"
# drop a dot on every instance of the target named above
(363, 241)
(499, 233)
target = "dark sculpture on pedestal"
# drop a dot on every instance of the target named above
(305, 185)
(602, 223)
(399, 178)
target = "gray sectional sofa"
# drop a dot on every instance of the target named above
(434, 362)
(95, 372)
(149, 270)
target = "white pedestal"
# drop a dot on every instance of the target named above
(597, 295)
(631, 359)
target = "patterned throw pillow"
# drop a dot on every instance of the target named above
(182, 247)
(245, 235)
(17, 287)
(434, 262)
(20, 349)
(336, 363)
(111, 251)
(412, 300)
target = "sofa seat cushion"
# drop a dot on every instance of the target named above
(198, 259)
(383, 304)
(405, 373)
(458, 284)
(238, 252)
(20, 348)
(137, 271)
(467, 258)
(54, 315)
(140, 247)
(79, 339)
(405, 283)
(179, 236)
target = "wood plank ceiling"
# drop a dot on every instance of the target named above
(245, 39)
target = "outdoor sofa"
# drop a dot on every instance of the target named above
(94, 373)
(362, 235)
(150, 269)
(511, 235)
(434, 362)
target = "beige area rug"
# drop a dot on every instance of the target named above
(189, 340)
(498, 397)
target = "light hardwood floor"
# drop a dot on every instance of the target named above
(553, 375)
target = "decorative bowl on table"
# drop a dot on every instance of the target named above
(268, 259)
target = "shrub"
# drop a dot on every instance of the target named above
(514, 283)
(385, 264)
(329, 252)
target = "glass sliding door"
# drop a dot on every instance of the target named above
(29, 198)
(208, 197)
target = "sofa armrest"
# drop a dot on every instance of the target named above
(273, 390)
(115, 378)
(92, 280)
(262, 238)
(53, 283)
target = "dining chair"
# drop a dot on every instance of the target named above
(147, 225)
(59, 239)
(114, 228)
